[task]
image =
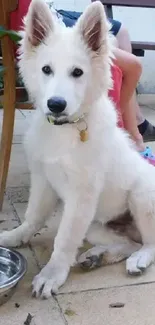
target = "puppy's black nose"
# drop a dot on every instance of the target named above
(56, 104)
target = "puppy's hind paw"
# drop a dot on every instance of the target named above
(8, 239)
(93, 258)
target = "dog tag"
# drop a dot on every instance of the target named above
(84, 135)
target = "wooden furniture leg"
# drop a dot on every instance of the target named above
(9, 113)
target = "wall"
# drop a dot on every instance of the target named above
(141, 26)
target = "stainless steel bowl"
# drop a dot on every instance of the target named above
(12, 268)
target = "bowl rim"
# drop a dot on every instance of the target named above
(18, 276)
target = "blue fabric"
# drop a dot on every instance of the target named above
(70, 18)
(147, 153)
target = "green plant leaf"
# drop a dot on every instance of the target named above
(14, 35)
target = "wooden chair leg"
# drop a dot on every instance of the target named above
(9, 113)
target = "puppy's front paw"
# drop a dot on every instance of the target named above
(49, 280)
(139, 261)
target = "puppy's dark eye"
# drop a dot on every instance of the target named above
(76, 73)
(47, 69)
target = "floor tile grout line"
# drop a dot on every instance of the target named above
(29, 244)
(14, 210)
(22, 113)
(105, 288)
(13, 187)
(19, 223)
(60, 310)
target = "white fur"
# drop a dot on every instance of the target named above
(97, 179)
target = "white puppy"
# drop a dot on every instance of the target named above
(97, 172)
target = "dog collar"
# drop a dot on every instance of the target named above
(54, 122)
(79, 121)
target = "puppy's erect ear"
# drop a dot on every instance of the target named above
(38, 22)
(94, 26)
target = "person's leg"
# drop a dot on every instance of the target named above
(123, 39)
(131, 71)
(124, 44)
(146, 129)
